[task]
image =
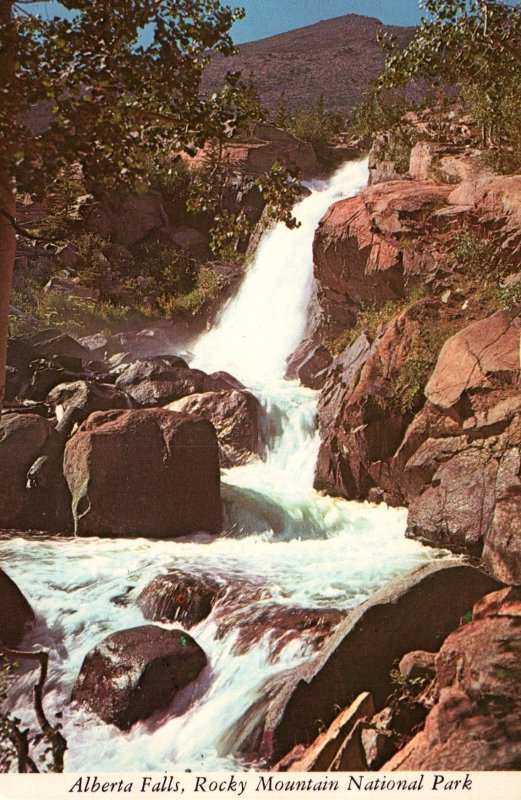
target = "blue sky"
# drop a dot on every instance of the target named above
(267, 17)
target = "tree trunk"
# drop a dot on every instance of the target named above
(7, 195)
(7, 253)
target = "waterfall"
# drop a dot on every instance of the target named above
(263, 324)
(285, 547)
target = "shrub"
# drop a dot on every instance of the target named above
(409, 383)
(311, 123)
(370, 318)
(475, 257)
(191, 302)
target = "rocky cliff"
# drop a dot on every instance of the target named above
(419, 292)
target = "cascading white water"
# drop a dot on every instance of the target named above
(297, 548)
(263, 324)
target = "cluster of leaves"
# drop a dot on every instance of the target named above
(91, 67)
(480, 261)
(476, 46)
(311, 123)
(209, 193)
(281, 188)
(411, 686)
(192, 302)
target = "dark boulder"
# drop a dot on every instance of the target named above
(235, 416)
(146, 343)
(145, 472)
(132, 673)
(22, 439)
(414, 612)
(309, 363)
(87, 397)
(179, 598)
(51, 343)
(45, 375)
(15, 612)
(158, 381)
(20, 354)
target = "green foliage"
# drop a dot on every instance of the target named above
(208, 193)
(475, 257)
(409, 383)
(475, 45)
(409, 686)
(509, 296)
(368, 321)
(80, 316)
(66, 197)
(113, 100)
(228, 232)
(192, 302)
(251, 104)
(281, 189)
(93, 268)
(309, 123)
(379, 112)
(171, 176)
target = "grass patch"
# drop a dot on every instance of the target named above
(408, 385)
(370, 318)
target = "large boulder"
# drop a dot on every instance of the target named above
(179, 598)
(146, 472)
(502, 550)
(478, 359)
(163, 379)
(465, 471)
(476, 724)
(22, 439)
(414, 613)
(366, 246)
(149, 342)
(235, 416)
(130, 219)
(87, 397)
(52, 343)
(132, 673)
(15, 612)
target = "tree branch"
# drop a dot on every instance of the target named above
(52, 734)
(21, 230)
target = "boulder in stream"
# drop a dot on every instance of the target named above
(134, 672)
(415, 612)
(235, 415)
(15, 612)
(144, 472)
(179, 598)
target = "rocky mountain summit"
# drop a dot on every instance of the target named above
(335, 58)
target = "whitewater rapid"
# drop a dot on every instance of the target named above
(285, 545)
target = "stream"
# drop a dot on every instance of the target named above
(285, 546)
